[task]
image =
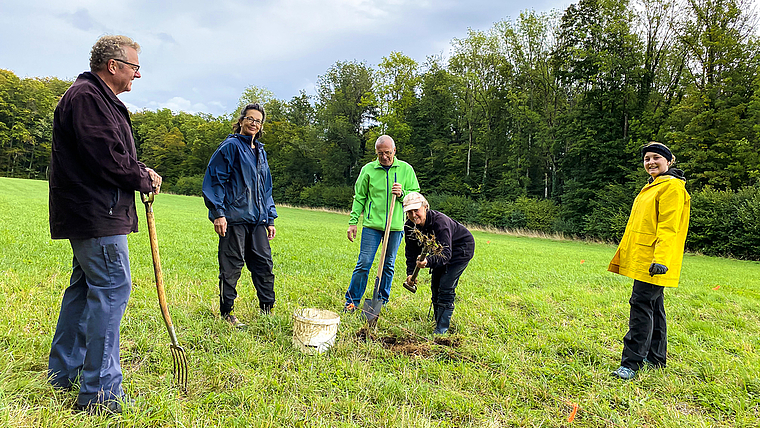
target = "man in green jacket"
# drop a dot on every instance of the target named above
(372, 198)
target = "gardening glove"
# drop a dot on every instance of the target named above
(657, 269)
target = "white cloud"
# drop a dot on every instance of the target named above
(200, 56)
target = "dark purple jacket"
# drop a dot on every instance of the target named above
(457, 242)
(94, 171)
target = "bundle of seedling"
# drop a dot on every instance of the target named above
(429, 248)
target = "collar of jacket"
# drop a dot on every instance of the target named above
(97, 81)
(247, 139)
(673, 172)
(659, 180)
(376, 163)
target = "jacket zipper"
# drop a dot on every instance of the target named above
(114, 201)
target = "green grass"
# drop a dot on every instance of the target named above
(538, 324)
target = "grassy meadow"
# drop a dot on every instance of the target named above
(537, 329)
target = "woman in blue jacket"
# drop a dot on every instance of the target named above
(237, 190)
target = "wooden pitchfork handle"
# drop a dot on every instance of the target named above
(409, 284)
(178, 353)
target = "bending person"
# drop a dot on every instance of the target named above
(237, 190)
(651, 252)
(458, 247)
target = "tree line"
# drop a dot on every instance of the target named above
(535, 122)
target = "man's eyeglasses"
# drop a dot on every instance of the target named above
(386, 153)
(251, 119)
(135, 67)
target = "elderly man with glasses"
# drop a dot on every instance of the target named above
(372, 198)
(94, 173)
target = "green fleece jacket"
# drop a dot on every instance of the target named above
(372, 194)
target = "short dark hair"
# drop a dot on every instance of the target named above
(255, 106)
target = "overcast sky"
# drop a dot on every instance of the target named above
(199, 56)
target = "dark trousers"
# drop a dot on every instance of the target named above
(86, 340)
(647, 330)
(245, 244)
(443, 284)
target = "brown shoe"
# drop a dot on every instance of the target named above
(232, 319)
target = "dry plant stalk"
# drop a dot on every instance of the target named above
(428, 242)
(429, 247)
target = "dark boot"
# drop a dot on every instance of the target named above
(436, 312)
(443, 320)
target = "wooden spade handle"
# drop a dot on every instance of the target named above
(387, 233)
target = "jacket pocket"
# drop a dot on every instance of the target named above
(241, 201)
(642, 247)
(369, 209)
(114, 201)
(643, 238)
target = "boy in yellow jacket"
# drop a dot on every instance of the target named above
(651, 253)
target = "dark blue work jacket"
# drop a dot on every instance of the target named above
(238, 183)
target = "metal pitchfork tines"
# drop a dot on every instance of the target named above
(179, 357)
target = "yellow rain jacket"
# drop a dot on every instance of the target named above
(655, 233)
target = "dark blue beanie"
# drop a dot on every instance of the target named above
(658, 148)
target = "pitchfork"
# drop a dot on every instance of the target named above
(179, 358)
(429, 246)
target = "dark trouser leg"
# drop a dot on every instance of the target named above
(68, 348)
(446, 279)
(658, 349)
(231, 250)
(258, 258)
(435, 279)
(105, 264)
(641, 323)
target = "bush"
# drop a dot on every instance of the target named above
(501, 214)
(609, 213)
(540, 214)
(321, 195)
(191, 185)
(460, 208)
(726, 223)
(524, 213)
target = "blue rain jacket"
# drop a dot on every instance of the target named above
(238, 183)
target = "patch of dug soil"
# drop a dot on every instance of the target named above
(452, 342)
(407, 345)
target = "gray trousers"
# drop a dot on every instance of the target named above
(86, 340)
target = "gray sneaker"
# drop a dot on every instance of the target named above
(232, 319)
(624, 373)
(107, 408)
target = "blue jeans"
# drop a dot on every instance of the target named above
(371, 239)
(86, 340)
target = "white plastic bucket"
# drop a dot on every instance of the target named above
(314, 330)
